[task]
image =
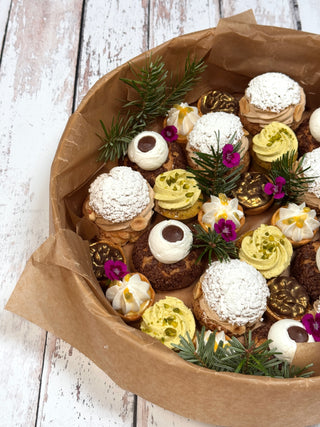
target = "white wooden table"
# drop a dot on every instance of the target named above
(52, 52)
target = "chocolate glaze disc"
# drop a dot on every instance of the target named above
(146, 143)
(298, 334)
(172, 233)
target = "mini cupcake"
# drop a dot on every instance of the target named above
(284, 335)
(120, 204)
(216, 100)
(221, 207)
(267, 249)
(230, 296)
(287, 300)
(216, 130)
(131, 296)
(271, 97)
(270, 144)
(177, 195)
(305, 267)
(183, 117)
(297, 222)
(167, 320)
(150, 154)
(250, 193)
(165, 255)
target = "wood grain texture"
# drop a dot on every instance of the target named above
(4, 17)
(36, 86)
(309, 13)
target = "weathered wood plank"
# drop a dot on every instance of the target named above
(76, 392)
(36, 81)
(271, 12)
(73, 387)
(4, 16)
(309, 12)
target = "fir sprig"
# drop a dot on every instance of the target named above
(213, 244)
(294, 174)
(157, 91)
(213, 176)
(247, 358)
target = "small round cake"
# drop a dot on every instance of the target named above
(216, 100)
(167, 320)
(131, 296)
(221, 207)
(271, 97)
(165, 255)
(285, 334)
(230, 296)
(250, 193)
(177, 195)
(216, 130)
(183, 117)
(314, 124)
(274, 140)
(305, 267)
(288, 299)
(150, 154)
(120, 204)
(297, 222)
(267, 249)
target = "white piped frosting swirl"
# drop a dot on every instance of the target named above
(153, 158)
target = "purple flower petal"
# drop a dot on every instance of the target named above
(115, 270)
(170, 133)
(312, 325)
(280, 181)
(269, 188)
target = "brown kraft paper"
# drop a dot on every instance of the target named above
(59, 292)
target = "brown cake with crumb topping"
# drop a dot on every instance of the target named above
(304, 269)
(176, 160)
(166, 277)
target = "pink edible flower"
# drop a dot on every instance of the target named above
(115, 270)
(312, 325)
(276, 188)
(226, 228)
(170, 133)
(230, 158)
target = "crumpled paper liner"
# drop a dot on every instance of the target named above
(59, 292)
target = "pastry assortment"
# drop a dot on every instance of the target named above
(199, 205)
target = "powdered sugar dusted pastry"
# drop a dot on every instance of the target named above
(165, 255)
(297, 222)
(271, 97)
(230, 296)
(221, 207)
(183, 116)
(216, 130)
(120, 203)
(131, 296)
(285, 334)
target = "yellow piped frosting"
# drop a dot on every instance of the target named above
(167, 319)
(183, 117)
(267, 249)
(221, 207)
(273, 141)
(176, 189)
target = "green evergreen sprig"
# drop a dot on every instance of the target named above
(294, 174)
(247, 358)
(213, 176)
(213, 244)
(157, 90)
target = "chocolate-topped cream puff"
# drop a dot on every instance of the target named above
(271, 97)
(150, 154)
(284, 335)
(216, 100)
(165, 255)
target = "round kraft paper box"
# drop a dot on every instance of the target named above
(234, 52)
